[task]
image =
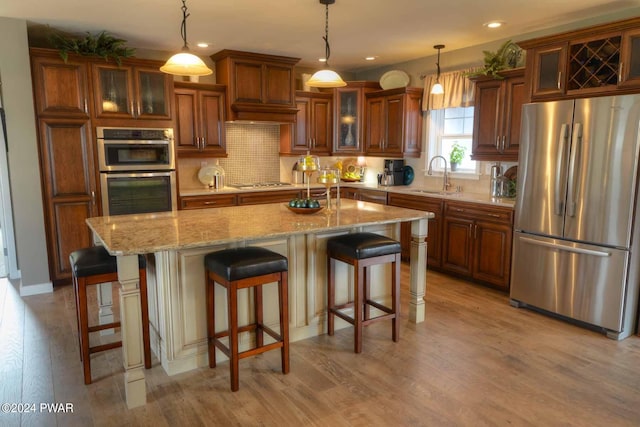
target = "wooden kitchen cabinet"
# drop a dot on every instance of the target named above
(69, 186)
(208, 201)
(259, 87)
(497, 115)
(131, 91)
(393, 124)
(349, 104)
(434, 228)
(200, 117)
(313, 130)
(593, 61)
(61, 89)
(477, 242)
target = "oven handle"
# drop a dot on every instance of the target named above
(149, 174)
(134, 141)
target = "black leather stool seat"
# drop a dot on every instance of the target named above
(241, 263)
(96, 260)
(362, 245)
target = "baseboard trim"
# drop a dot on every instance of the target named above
(40, 288)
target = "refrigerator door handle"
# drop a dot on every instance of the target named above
(560, 170)
(565, 248)
(576, 147)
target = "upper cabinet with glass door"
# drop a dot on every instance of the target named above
(131, 92)
(600, 60)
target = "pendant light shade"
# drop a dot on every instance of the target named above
(326, 78)
(437, 88)
(185, 63)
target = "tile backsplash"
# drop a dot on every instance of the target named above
(252, 156)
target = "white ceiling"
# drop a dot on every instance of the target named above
(393, 30)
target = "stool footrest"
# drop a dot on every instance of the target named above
(379, 306)
(104, 326)
(260, 350)
(104, 347)
(342, 315)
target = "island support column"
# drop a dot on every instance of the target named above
(418, 270)
(131, 330)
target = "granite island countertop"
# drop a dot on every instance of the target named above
(185, 229)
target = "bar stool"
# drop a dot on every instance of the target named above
(240, 268)
(362, 250)
(93, 266)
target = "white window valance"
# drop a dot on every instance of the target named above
(459, 91)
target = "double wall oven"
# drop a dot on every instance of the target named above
(137, 170)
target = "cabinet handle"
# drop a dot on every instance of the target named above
(504, 139)
(133, 111)
(458, 210)
(86, 107)
(93, 197)
(493, 215)
(559, 80)
(498, 143)
(204, 142)
(475, 231)
(620, 72)
(210, 203)
(470, 229)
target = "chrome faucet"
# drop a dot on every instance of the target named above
(445, 178)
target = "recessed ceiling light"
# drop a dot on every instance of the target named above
(370, 58)
(203, 44)
(494, 24)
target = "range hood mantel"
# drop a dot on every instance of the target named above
(259, 87)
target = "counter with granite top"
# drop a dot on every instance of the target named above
(483, 198)
(176, 243)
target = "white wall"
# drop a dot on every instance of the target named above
(24, 167)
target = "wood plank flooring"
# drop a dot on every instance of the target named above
(476, 361)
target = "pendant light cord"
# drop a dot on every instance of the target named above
(326, 36)
(183, 27)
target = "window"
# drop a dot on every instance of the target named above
(447, 127)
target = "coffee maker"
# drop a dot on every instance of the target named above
(395, 168)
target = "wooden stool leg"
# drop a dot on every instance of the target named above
(283, 288)
(357, 306)
(395, 297)
(211, 319)
(75, 289)
(367, 283)
(331, 294)
(257, 299)
(233, 335)
(84, 329)
(144, 302)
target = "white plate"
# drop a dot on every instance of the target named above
(206, 174)
(393, 79)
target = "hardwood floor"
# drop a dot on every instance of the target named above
(475, 361)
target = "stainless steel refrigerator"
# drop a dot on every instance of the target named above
(576, 244)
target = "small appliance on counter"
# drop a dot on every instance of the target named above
(393, 172)
(212, 176)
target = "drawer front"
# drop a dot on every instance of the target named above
(373, 196)
(478, 212)
(202, 202)
(420, 203)
(268, 197)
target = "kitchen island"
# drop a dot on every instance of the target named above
(176, 243)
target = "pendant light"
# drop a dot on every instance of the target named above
(185, 63)
(326, 77)
(437, 88)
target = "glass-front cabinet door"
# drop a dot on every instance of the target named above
(131, 92)
(630, 60)
(549, 66)
(349, 115)
(152, 93)
(113, 91)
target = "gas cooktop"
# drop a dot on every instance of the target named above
(265, 184)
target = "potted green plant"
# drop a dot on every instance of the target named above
(456, 156)
(509, 55)
(102, 45)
